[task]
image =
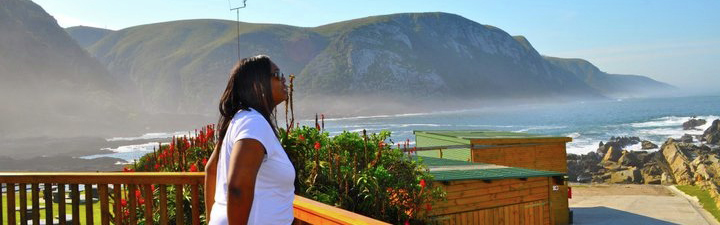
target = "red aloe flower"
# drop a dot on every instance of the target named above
(301, 138)
(317, 145)
(123, 202)
(204, 161)
(138, 194)
(157, 166)
(422, 183)
(193, 168)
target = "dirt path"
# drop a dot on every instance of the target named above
(633, 204)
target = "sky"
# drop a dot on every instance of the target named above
(677, 42)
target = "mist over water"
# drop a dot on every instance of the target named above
(588, 123)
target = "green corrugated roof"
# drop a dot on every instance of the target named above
(482, 134)
(449, 170)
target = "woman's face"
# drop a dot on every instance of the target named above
(279, 89)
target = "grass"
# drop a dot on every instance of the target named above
(68, 209)
(704, 196)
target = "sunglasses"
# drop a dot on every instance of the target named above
(279, 76)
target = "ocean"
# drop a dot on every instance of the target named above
(588, 123)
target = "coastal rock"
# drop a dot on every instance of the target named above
(666, 179)
(686, 138)
(679, 162)
(613, 154)
(692, 123)
(629, 159)
(581, 167)
(648, 145)
(651, 174)
(702, 172)
(712, 134)
(627, 176)
(625, 141)
(617, 143)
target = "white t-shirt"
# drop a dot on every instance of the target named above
(274, 185)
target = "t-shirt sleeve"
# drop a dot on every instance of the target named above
(253, 127)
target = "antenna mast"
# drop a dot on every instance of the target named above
(237, 11)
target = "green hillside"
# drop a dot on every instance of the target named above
(181, 66)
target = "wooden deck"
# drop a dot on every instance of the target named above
(136, 189)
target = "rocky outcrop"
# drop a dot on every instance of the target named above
(712, 134)
(652, 174)
(686, 138)
(613, 154)
(648, 145)
(581, 167)
(617, 143)
(628, 159)
(692, 123)
(627, 176)
(679, 162)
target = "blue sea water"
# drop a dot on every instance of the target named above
(588, 123)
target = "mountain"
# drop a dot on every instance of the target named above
(182, 66)
(613, 85)
(47, 79)
(86, 36)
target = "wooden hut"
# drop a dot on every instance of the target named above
(541, 158)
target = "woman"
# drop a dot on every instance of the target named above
(253, 174)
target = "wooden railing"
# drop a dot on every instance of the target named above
(112, 197)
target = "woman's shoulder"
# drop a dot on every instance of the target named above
(248, 119)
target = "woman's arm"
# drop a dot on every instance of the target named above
(210, 176)
(245, 160)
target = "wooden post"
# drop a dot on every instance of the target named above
(195, 205)
(23, 204)
(131, 198)
(48, 203)
(148, 204)
(117, 195)
(88, 204)
(61, 204)
(35, 203)
(104, 210)
(10, 187)
(179, 217)
(75, 194)
(163, 204)
(1, 201)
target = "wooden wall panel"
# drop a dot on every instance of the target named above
(535, 212)
(548, 156)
